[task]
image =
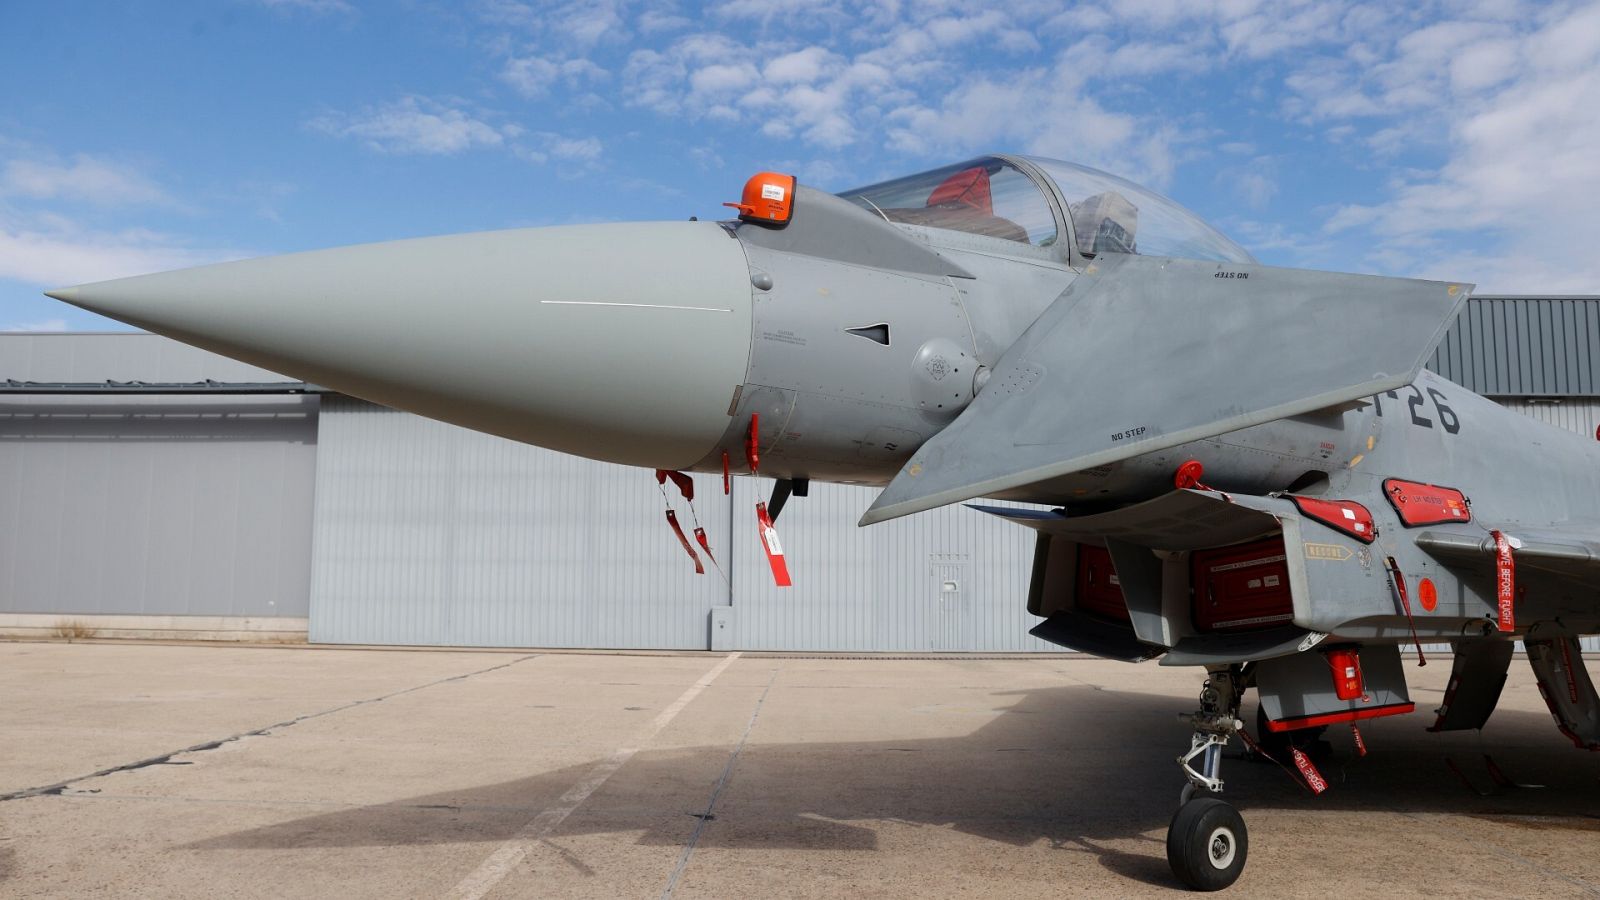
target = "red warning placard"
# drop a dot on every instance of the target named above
(769, 543)
(1345, 516)
(1505, 582)
(1426, 504)
(1308, 771)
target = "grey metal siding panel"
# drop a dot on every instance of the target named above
(160, 506)
(132, 356)
(1579, 414)
(431, 534)
(1524, 347)
(878, 588)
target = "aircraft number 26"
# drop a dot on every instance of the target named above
(1447, 416)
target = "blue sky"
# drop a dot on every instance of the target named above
(1457, 140)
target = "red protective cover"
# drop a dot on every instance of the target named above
(968, 187)
(1426, 504)
(1098, 590)
(1241, 588)
(1346, 516)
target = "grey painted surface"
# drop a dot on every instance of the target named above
(881, 588)
(431, 534)
(621, 342)
(156, 505)
(1524, 347)
(117, 356)
(1061, 392)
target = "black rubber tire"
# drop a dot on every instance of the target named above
(1207, 844)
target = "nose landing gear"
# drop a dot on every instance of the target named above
(1207, 843)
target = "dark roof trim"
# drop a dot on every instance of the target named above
(12, 386)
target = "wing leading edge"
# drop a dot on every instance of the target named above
(1143, 353)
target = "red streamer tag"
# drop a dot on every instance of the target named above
(727, 477)
(769, 543)
(1308, 771)
(672, 519)
(1505, 581)
(700, 535)
(1361, 746)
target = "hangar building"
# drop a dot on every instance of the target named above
(147, 487)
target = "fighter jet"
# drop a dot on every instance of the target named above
(1239, 467)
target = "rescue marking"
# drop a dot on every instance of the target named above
(498, 865)
(1333, 552)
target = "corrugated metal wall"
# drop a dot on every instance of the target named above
(1580, 414)
(1524, 347)
(151, 505)
(156, 505)
(947, 579)
(431, 534)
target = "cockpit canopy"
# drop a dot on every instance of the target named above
(997, 198)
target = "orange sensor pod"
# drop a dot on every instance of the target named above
(768, 199)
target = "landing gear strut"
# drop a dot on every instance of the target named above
(1207, 843)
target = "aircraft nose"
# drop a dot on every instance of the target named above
(622, 342)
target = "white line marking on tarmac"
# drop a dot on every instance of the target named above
(493, 870)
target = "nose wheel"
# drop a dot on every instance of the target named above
(1206, 842)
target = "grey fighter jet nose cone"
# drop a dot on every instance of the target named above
(623, 343)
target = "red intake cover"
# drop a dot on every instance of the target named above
(1099, 591)
(1346, 516)
(1244, 587)
(1426, 504)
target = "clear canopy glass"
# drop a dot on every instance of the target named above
(987, 197)
(1111, 213)
(992, 198)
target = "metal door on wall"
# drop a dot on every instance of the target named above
(950, 626)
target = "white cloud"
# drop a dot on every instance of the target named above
(801, 66)
(573, 24)
(43, 325)
(533, 76)
(415, 125)
(82, 178)
(1521, 174)
(577, 149)
(52, 252)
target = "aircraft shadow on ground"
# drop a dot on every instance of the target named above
(1072, 766)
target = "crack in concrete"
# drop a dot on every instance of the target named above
(55, 790)
(716, 792)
